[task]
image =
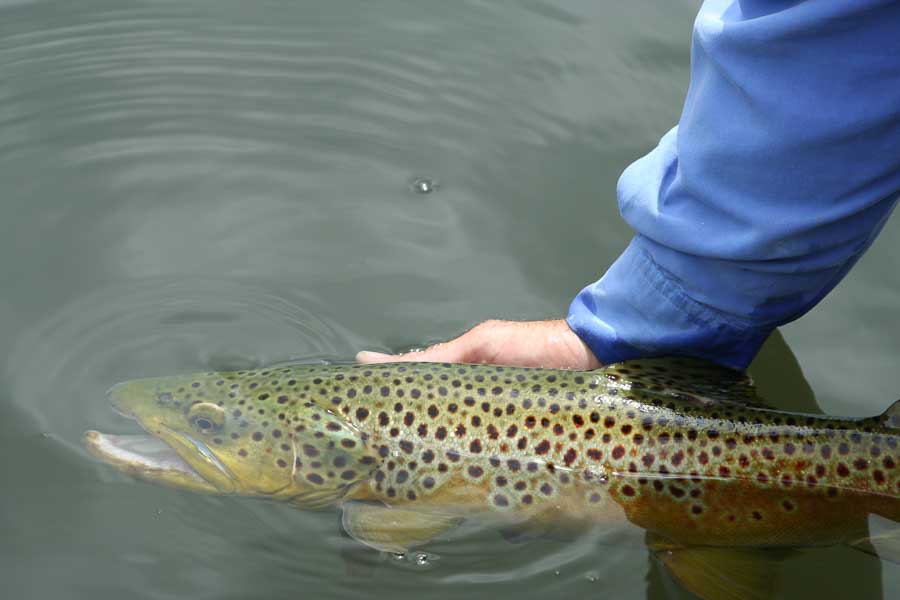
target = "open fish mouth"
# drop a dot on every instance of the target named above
(140, 452)
(156, 458)
(147, 457)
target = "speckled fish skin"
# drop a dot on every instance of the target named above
(641, 441)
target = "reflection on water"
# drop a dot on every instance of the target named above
(194, 185)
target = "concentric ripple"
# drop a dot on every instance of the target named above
(60, 370)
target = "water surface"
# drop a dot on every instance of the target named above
(194, 185)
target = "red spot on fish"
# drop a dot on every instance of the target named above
(618, 452)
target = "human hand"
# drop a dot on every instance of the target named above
(547, 344)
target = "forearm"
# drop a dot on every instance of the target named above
(784, 167)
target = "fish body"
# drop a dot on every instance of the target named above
(679, 448)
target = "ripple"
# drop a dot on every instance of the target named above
(62, 366)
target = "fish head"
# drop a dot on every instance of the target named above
(224, 433)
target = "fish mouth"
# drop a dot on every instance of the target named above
(146, 457)
(140, 452)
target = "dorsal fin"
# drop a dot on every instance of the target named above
(685, 378)
(891, 417)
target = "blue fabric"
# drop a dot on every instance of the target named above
(783, 169)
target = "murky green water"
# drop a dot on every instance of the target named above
(192, 185)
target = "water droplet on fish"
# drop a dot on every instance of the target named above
(423, 185)
(421, 559)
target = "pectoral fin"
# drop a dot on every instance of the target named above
(719, 573)
(885, 546)
(393, 529)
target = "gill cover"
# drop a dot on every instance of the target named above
(330, 456)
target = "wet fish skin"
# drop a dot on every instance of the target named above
(668, 445)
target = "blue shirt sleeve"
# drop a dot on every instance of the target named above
(783, 169)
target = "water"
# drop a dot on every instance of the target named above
(192, 185)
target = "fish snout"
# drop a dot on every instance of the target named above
(118, 397)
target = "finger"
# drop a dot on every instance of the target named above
(368, 357)
(453, 351)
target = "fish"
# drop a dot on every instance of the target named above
(682, 449)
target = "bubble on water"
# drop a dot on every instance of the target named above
(422, 559)
(398, 556)
(592, 576)
(423, 185)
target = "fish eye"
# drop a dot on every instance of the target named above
(206, 416)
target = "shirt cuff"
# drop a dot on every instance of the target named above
(638, 310)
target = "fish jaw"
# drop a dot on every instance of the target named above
(147, 458)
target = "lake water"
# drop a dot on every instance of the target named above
(197, 185)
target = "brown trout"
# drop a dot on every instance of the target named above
(680, 448)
